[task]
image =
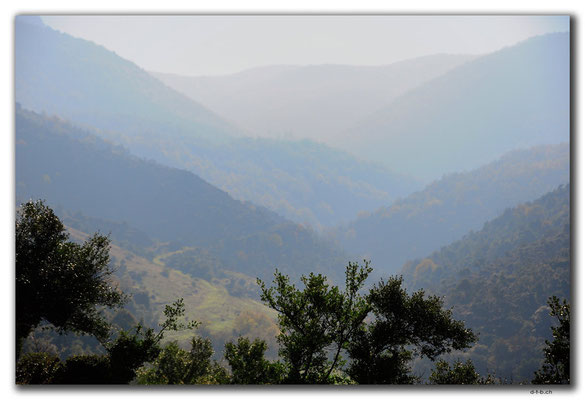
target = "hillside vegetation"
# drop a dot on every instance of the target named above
(450, 207)
(499, 278)
(80, 172)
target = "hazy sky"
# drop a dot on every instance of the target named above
(212, 45)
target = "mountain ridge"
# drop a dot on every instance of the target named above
(450, 207)
(517, 96)
(300, 101)
(73, 168)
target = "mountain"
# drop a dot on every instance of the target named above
(307, 182)
(81, 81)
(93, 87)
(315, 101)
(78, 171)
(499, 278)
(518, 96)
(448, 208)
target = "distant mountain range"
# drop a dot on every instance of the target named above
(315, 101)
(516, 97)
(304, 181)
(81, 81)
(448, 208)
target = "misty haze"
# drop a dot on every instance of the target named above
(292, 199)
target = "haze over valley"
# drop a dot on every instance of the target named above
(446, 166)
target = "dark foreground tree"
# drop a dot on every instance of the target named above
(58, 281)
(248, 364)
(316, 322)
(39, 369)
(320, 321)
(460, 373)
(404, 326)
(557, 354)
(175, 366)
(125, 354)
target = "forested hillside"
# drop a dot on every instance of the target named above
(515, 97)
(304, 181)
(499, 278)
(452, 206)
(327, 215)
(78, 171)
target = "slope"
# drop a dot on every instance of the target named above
(79, 80)
(518, 96)
(93, 87)
(80, 172)
(223, 316)
(315, 101)
(448, 208)
(304, 181)
(499, 278)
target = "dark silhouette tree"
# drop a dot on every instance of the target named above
(248, 364)
(39, 369)
(175, 366)
(404, 326)
(557, 354)
(125, 354)
(460, 373)
(59, 281)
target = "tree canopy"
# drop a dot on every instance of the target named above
(59, 281)
(557, 354)
(315, 320)
(320, 321)
(404, 326)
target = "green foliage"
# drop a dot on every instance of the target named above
(557, 354)
(124, 355)
(59, 281)
(38, 369)
(248, 365)
(175, 366)
(128, 352)
(458, 374)
(315, 320)
(404, 326)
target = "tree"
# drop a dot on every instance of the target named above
(403, 326)
(129, 351)
(458, 374)
(124, 355)
(316, 322)
(58, 281)
(248, 365)
(557, 354)
(175, 366)
(38, 369)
